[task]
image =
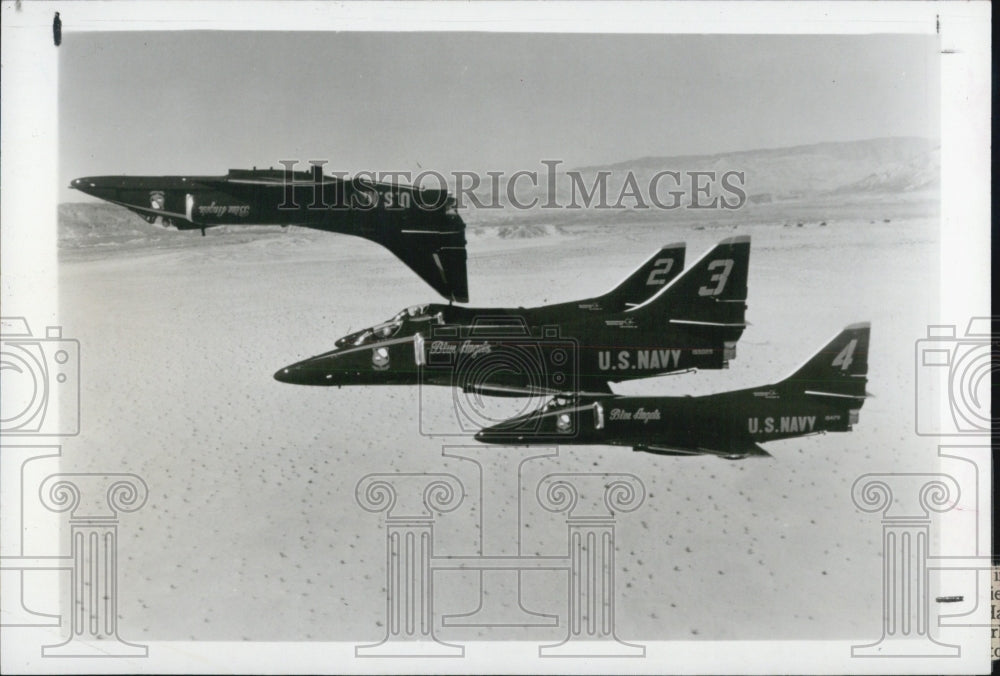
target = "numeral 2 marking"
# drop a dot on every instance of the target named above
(661, 268)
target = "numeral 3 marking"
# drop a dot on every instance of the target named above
(719, 278)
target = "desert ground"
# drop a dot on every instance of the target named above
(251, 530)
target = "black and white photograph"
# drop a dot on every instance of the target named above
(490, 337)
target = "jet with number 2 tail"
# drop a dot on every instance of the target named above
(655, 322)
(642, 284)
(421, 227)
(824, 395)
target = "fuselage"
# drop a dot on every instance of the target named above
(550, 349)
(270, 197)
(421, 227)
(658, 424)
(654, 326)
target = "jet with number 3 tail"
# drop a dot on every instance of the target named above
(824, 395)
(659, 320)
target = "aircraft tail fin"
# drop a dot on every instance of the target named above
(657, 272)
(430, 239)
(713, 291)
(839, 370)
(436, 253)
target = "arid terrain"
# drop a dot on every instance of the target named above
(252, 531)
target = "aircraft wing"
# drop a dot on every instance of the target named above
(736, 451)
(150, 215)
(503, 390)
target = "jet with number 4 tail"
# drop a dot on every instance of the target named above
(824, 395)
(659, 320)
(421, 227)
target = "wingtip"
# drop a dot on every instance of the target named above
(673, 245)
(739, 239)
(858, 326)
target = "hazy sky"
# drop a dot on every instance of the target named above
(202, 102)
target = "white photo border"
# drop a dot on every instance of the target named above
(29, 176)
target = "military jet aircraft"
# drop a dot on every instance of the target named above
(824, 395)
(421, 227)
(691, 321)
(655, 273)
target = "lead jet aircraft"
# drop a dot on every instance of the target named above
(691, 321)
(824, 395)
(421, 227)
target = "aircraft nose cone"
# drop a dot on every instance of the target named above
(301, 373)
(95, 186)
(82, 184)
(326, 370)
(488, 436)
(536, 428)
(508, 432)
(285, 375)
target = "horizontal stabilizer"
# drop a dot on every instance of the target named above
(816, 393)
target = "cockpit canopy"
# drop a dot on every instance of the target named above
(412, 312)
(376, 333)
(557, 402)
(564, 406)
(392, 328)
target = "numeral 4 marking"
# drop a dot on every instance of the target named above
(719, 278)
(846, 356)
(661, 268)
